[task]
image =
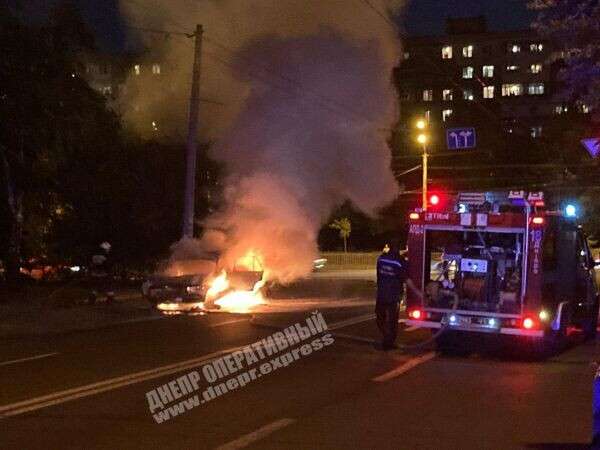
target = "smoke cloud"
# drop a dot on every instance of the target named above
(306, 99)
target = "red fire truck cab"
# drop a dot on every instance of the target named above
(500, 264)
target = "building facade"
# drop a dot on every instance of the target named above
(471, 75)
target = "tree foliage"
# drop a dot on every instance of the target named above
(70, 175)
(344, 226)
(574, 29)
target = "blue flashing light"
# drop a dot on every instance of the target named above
(462, 208)
(452, 319)
(492, 322)
(570, 210)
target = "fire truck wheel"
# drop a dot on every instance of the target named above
(453, 343)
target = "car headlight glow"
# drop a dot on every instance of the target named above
(194, 289)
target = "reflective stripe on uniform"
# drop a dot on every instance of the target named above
(391, 261)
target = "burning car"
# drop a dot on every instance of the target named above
(185, 293)
(196, 286)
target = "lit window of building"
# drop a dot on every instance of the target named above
(514, 48)
(536, 131)
(535, 68)
(137, 69)
(512, 89)
(488, 71)
(447, 52)
(536, 89)
(512, 68)
(488, 92)
(585, 109)
(156, 69)
(560, 109)
(447, 94)
(536, 47)
(406, 55)
(446, 113)
(468, 51)
(107, 90)
(467, 72)
(468, 94)
(428, 95)
(428, 116)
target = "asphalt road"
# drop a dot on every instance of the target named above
(89, 390)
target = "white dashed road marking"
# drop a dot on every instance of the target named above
(408, 365)
(229, 322)
(250, 438)
(30, 358)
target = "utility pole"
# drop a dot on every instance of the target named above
(424, 183)
(191, 148)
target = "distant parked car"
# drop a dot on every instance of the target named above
(319, 264)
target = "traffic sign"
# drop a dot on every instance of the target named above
(592, 145)
(461, 138)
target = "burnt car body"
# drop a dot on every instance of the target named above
(189, 293)
(176, 293)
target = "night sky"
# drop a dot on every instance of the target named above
(422, 17)
(427, 17)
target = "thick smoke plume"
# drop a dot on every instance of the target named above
(307, 98)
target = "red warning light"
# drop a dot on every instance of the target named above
(434, 200)
(415, 314)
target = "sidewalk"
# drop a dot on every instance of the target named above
(37, 318)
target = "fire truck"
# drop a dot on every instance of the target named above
(495, 265)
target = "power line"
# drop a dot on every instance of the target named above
(328, 103)
(161, 32)
(271, 83)
(442, 154)
(381, 14)
(143, 8)
(428, 60)
(344, 109)
(515, 166)
(406, 172)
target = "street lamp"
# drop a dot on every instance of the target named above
(422, 139)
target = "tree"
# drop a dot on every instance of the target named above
(345, 228)
(70, 175)
(573, 26)
(51, 118)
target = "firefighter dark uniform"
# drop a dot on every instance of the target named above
(101, 275)
(392, 272)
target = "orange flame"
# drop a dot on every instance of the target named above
(242, 301)
(239, 301)
(252, 261)
(218, 285)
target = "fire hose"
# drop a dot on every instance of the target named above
(433, 337)
(443, 328)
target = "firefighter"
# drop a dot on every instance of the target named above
(392, 274)
(101, 275)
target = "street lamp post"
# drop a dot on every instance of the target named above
(424, 202)
(422, 139)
